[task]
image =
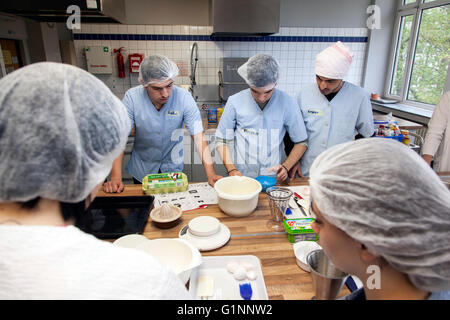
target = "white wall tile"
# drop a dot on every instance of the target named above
(140, 29)
(132, 29)
(297, 59)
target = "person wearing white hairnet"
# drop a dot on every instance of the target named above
(383, 215)
(256, 120)
(436, 147)
(60, 130)
(334, 110)
(158, 111)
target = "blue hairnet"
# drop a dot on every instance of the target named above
(60, 130)
(385, 196)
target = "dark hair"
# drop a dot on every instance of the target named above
(69, 210)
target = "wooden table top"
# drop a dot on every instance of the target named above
(249, 236)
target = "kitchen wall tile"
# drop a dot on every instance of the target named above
(132, 29)
(193, 30)
(296, 59)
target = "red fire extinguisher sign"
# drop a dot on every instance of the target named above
(134, 61)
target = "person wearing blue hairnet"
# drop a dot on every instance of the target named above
(159, 110)
(383, 215)
(60, 130)
(256, 120)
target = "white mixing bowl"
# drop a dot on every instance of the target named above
(181, 256)
(238, 196)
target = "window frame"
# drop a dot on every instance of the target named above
(415, 9)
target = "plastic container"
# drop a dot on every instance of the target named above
(300, 230)
(266, 182)
(219, 113)
(165, 183)
(398, 138)
(178, 254)
(238, 196)
(212, 115)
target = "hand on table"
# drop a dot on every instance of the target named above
(112, 186)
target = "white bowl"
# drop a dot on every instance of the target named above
(238, 196)
(130, 240)
(301, 251)
(204, 226)
(178, 254)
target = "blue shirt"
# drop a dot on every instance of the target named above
(329, 123)
(158, 142)
(258, 134)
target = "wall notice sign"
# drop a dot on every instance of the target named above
(99, 60)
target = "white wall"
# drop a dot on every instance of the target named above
(379, 48)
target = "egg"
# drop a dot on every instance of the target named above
(232, 266)
(248, 266)
(251, 275)
(240, 273)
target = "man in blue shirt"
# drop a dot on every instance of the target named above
(334, 110)
(159, 110)
(256, 119)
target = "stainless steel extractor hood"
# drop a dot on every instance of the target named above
(245, 18)
(92, 11)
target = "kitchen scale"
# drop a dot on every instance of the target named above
(113, 217)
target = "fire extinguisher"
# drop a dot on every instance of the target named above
(120, 63)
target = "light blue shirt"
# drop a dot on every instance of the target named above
(258, 134)
(158, 141)
(329, 123)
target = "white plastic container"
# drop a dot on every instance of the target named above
(181, 256)
(238, 196)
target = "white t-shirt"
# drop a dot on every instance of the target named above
(45, 262)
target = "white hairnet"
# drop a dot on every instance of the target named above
(260, 71)
(384, 195)
(157, 69)
(334, 61)
(60, 130)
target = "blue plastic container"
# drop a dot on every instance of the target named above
(266, 182)
(400, 137)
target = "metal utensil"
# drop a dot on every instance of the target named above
(300, 206)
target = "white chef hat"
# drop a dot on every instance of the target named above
(334, 61)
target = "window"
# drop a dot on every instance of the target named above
(421, 55)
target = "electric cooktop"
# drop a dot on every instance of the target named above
(113, 217)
